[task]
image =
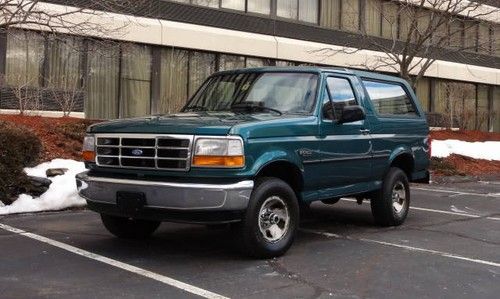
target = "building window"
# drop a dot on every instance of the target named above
(24, 60)
(173, 80)
(350, 15)
(389, 98)
(231, 62)
(423, 91)
(330, 14)
(233, 4)
(372, 25)
(259, 6)
(308, 11)
(135, 80)
(389, 20)
(102, 81)
(302, 10)
(64, 63)
(201, 65)
(209, 3)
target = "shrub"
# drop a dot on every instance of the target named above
(19, 148)
(75, 130)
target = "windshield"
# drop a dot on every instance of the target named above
(257, 92)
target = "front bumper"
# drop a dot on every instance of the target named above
(167, 201)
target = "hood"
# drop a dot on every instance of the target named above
(201, 123)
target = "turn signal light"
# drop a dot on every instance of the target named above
(88, 156)
(219, 161)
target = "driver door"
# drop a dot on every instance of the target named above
(345, 148)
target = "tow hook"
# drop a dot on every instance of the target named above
(359, 200)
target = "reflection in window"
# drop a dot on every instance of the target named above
(24, 58)
(135, 80)
(350, 15)
(389, 99)
(173, 80)
(341, 94)
(102, 81)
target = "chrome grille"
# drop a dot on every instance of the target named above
(166, 152)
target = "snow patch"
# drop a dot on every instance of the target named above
(488, 150)
(62, 193)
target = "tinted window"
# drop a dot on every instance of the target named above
(341, 94)
(389, 99)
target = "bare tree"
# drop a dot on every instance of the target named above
(88, 20)
(27, 97)
(416, 32)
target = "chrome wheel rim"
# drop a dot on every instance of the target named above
(274, 219)
(398, 197)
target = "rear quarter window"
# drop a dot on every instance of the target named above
(390, 99)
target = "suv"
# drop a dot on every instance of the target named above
(254, 146)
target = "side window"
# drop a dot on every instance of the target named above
(389, 99)
(341, 94)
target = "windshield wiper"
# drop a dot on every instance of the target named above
(253, 107)
(195, 108)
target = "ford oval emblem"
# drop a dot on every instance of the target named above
(137, 152)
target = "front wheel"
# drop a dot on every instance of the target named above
(129, 228)
(391, 204)
(271, 219)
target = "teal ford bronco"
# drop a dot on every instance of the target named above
(254, 146)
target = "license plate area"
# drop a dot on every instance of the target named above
(130, 202)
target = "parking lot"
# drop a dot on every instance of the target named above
(449, 247)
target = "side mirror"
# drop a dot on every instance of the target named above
(351, 114)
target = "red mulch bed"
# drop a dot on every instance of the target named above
(61, 137)
(471, 136)
(462, 165)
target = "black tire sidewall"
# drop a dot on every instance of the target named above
(382, 208)
(253, 242)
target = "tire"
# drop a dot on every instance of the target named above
(389, 208)
(127, 228)
(271, 219)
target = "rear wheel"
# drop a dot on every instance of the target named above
(271, 219)
(128, 228)
(391, 204)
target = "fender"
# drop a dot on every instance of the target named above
(400, 150)
(277, 155)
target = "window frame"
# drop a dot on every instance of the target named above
(390, 116)
(329, 94)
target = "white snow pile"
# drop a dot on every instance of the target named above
(61, 194)
(488, 150)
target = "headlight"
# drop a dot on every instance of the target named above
(219, 152)
(88, 150)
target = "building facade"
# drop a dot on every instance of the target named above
(170, 47)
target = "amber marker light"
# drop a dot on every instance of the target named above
(224, 152)
(88, 150)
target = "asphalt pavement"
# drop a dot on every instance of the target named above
(449, 247)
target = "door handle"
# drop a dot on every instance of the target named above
(364, 131)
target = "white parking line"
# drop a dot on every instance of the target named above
(441, 212)
(497, 195)
(155, 276)
(411, 248)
